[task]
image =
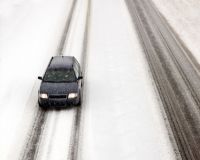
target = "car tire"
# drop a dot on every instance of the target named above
(42, 106)
(79, 100)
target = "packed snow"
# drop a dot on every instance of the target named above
(122, 115)
(183, 16)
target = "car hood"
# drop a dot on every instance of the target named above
(58, 88)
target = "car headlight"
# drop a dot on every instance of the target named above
(72, 95)
(43, 95)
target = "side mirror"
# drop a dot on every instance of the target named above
(40, 78)
(80, 77)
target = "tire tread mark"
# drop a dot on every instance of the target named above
(30, 151)
(194, 145)
(165, 82)
(73, 152)
(34, 136)
(63, 40)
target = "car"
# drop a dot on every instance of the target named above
(61, 84)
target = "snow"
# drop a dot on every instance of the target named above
(74, 42)
(122, 118)
(183, 16)
(30, 33)
(121, 113)
(56, 137)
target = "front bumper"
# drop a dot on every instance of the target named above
(56, 102)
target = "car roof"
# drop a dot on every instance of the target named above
(61, 62)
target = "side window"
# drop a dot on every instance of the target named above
(76, 70)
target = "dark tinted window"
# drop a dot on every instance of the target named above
(59, 75)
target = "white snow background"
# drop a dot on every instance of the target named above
(30, 32)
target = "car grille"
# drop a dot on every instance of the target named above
(57, 96)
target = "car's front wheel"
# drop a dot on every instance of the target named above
(79, 100)
(42, 106)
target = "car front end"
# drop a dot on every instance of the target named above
(58, 99)
(58, 95)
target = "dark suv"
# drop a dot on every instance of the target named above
(61, 84)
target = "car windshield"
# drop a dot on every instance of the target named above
(59, 75)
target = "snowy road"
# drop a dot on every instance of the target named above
(44, 137)
(176, 74)
(121, 116)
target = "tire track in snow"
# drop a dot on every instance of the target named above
(73, 152)
(32, 144)
(34, 137)
(74, 140)
(175, 73)
(50, 134)
(63, 41)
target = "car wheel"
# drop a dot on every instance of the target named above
(79, 100)
(42, 106)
